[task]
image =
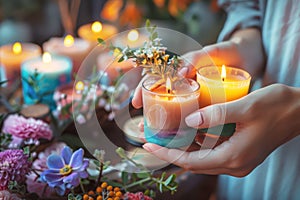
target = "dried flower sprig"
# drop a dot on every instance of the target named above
(152, 56)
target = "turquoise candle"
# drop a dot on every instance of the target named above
(42, 75)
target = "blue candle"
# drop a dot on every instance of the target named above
(42, 75)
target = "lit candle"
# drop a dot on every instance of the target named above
(133, 39)
(91, 32)
(218, 85)
(222, 84)
(12, 55)
(165, 108)
(42, 75)
(75, 48)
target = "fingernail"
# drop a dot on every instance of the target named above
(147, 147)
(194, 120)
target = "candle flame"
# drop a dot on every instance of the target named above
(69, 41)
(133, 35)
(17, 48)
(168, 85)
(46, 57)
(79, 86)
(223, 73)
(96, 27)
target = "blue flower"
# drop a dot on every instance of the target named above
(65, 171)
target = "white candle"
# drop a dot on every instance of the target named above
(75, 48)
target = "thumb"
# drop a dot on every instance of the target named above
(213, 115)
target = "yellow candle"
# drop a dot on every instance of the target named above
(12, 55)
(218, 88)
(217, 85)
(75, 48)
(91, 32)
(165, 109)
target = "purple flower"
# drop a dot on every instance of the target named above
(65, 171)
(6, 195)
(30, 128)
(34, 184)
(14, 166)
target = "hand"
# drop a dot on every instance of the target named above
(266, 119)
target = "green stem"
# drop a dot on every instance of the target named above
(139, 182)
(100, 174)
(81, 186)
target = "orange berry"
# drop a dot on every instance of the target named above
(99, 197)
(109, 199)
(118, 194)
(85, 197)
(116, 189)
(91, 198)
(109, 188)
(91, 192)
(116, 198)
(111, 193)
(99, 190)
(104, 185)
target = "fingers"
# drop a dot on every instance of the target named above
(223, 113)
(206, 160)
(137, 100)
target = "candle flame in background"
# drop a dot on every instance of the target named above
(96, 27)
(46, 57)
(17, 48)
(133, 35)
(168, 85)
(79, 86)
(69, 41)
(223, 73)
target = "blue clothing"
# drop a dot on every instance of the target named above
(278, 177)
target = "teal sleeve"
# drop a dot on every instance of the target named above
(241, 14)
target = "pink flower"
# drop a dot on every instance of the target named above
(6, 195)
(30, 128)
(136, 196)
(14, 166)
(34, 185)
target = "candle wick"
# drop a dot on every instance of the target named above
(223, 79)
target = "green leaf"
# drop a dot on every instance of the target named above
(125, 177)
(26, 150)
(121, 59)
(101, 41)
(143, 175)
(170, 179)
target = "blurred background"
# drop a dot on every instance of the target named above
(38, 20)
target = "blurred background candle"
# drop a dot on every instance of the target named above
(133, 39)
(165, 108)
(91, 32)
(12, 55)
(218, 85)
(42, 75)
(75, 48)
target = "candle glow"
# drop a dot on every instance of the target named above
(97, 27)
(69, 41)
(168, 85)
(17, 48)
(46, 57)
(133, 35)
(79, 86)
(223, 73)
